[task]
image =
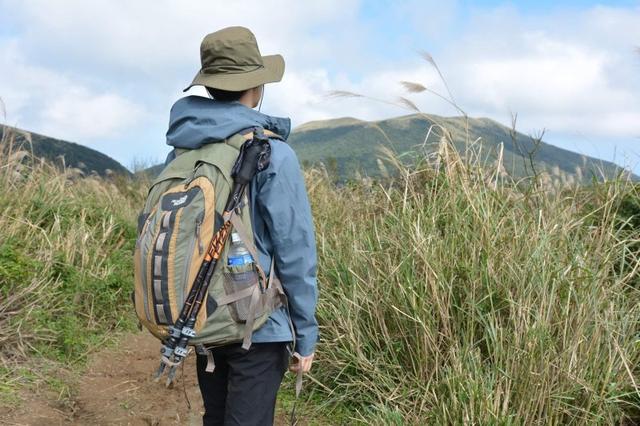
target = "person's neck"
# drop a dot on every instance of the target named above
(247, 99)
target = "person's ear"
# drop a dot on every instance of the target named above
(257, 96)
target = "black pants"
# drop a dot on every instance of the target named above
(243, 387)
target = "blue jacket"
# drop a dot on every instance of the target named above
(282, 222)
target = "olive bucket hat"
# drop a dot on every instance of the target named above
(232, 61)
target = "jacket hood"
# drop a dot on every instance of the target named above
(196, 120)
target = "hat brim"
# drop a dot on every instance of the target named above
(271, 72)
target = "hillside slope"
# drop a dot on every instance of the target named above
(75, 155)
(352, 145)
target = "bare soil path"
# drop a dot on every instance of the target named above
(116, 389)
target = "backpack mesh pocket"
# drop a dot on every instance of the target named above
(237, 278)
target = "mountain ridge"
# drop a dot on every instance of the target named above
(349, 145)
(75, 155)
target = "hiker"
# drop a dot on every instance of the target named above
(242, 388)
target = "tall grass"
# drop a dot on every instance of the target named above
(457, 296)
(450, 294)
(65, 258)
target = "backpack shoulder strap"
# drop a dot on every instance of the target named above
(237, 140)
(273, 135)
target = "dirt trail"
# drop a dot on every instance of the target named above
(116, 389)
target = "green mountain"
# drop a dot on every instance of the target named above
(350, 145)
(74, 155)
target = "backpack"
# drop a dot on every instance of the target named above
(182, 212)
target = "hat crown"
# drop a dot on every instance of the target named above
(231, 61)
(230, 50)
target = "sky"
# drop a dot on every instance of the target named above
(104, 73)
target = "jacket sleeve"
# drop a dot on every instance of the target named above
(285, 208)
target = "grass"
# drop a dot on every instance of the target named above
(450, 294)
(455, 295)
(312, 407)
(65, 261)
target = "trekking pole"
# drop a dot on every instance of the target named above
(188, 330)
(175, 345)
(254, 157)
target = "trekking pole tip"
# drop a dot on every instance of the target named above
(158, 373)
(170, 376)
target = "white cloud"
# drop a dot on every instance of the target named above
(307, 94)
(49, 102)
(119, 50)
(300, 91)
(570, 73)
(93, 69)
(79, 114)
(147, 34)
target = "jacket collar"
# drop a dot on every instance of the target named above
(196, 120)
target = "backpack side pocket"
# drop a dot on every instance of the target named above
(238, 278)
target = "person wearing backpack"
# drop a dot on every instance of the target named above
(241, 362)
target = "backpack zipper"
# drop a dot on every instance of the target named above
(144, 237)
(198, 226)
(192, 245)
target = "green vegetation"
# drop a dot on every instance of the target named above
(62, 153)
(65, 261)
(352, 145)
(452, 297)
(349, 148)
(450, 294)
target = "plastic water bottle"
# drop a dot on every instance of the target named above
(238, 253)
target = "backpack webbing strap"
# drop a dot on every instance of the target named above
(234, 297)
(246, 292)
(256, 298)
(211, 363)
(248, 326)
